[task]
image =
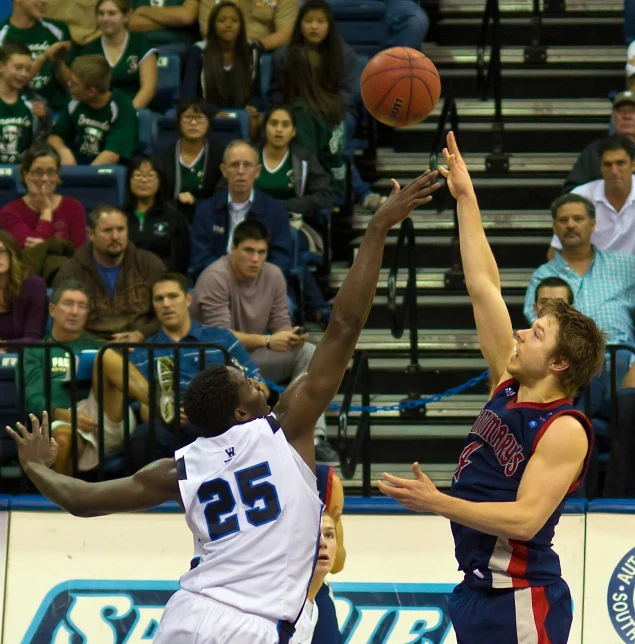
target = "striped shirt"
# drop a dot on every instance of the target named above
(606, 292)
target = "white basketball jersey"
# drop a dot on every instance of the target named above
(252, 504)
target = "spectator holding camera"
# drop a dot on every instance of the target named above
(244, 293)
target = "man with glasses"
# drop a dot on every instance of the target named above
(216, 218)
(192, 164)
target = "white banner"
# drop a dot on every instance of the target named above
(609, 597)
(107, 579)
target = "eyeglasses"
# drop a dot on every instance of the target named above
(193, 118)
(38, 173)
(245, 165)
(139, 176)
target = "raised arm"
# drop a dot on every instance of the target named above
(154, 484)
(493, 324)
(308, 396)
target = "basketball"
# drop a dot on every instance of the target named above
(400, 86)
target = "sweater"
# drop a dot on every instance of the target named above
(131, 308)
(29, 311)
(68, 224)
(164, 232)
(586, 167)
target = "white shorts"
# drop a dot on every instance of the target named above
(190, 618)
(113, 434)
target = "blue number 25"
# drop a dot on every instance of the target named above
(220, 501)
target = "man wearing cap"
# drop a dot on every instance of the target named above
(613, 197)
(587, 165)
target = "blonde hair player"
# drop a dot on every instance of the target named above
(528, 449)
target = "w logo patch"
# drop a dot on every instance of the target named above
(231, 452)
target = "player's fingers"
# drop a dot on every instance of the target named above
(395, 187)
(14, 436)
(23, 430)
(45, 425)
(445, 173)
(416, 470)
(396, 481)
(35, 424)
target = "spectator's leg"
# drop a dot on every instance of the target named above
(280, 365)
(407, 23)
(314, 299)
(62, 434)
(112, 366)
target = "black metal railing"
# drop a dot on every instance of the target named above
(454, 278)
(357, 449)
(490, 83)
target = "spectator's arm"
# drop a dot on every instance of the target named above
(14, 225)
(280, 247)
(33, 382)
(277, 39)
(238, 351)
(57, 143)
(184, 15)
(191, 85)
(204, 10)
(251, 341)
(148, 78)
(286, 12)
(317, 195)
(279, 317)
(140, 23)
(212, 296)
(201, 246)
(36, 306)
(106, 158)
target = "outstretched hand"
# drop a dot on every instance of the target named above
(35, 446)
(417, 495)
(456, 173)
(403, 201)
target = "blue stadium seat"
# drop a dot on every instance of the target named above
(93, 185)
(10, 186)
(168, 85)
(147, 125)
(362, 24)
(224, 129)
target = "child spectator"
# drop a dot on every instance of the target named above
(98, 126)
(45, 226)
(131, 57)
(49, 43)
(23, 302)
(269, 24)
(225, 69)
(153, 223)
(191, 166)
(17, 113)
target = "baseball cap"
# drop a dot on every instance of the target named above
(623, 98)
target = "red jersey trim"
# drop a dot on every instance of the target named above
(584, 421)
(518, 564)
(329, 486)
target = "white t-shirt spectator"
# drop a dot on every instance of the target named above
(613, 230)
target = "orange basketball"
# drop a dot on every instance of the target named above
(400, 86)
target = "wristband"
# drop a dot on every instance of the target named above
(268, 342)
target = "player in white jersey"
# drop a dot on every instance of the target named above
(247, 484)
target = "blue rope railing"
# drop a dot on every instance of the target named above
(411, 404)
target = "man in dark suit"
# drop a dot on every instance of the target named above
(216, 218)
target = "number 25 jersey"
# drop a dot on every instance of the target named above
(252, 504)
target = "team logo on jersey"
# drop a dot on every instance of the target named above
(509, 392)
(10, 139)
(533, 423)
(133, 64)
(231, 452)
(464, 459)
(621, 597)
(160, 228)
(507, 449)
(125, 611)
(92, 141)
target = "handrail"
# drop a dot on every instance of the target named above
(359, 377)
(408, 307)
(454, 278)
(490, 82)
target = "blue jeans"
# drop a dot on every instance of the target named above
(408, 23)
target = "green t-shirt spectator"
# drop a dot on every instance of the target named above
(327, 143)
(16, 129)
(38, 39)
(168, 35)
(88, 131)
(279, 182)
(59, 367)
(125, 70)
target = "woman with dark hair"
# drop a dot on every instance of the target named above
(225, 68)
(153, 223)
(23, 301)
(131, 56)
(318, 69)
(191, 166)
